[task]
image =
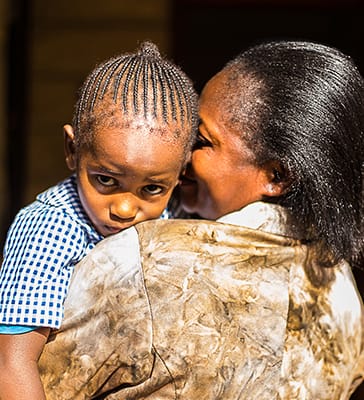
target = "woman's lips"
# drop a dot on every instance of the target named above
(188, 189)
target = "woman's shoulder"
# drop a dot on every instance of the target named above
(267, 217)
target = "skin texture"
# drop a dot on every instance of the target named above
(128, 177)
(18, 365)
(222, 177)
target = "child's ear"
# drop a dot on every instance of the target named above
(277, 179)
(69, 147)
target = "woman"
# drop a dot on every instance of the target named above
(283, 123)
(280, 149)
(264, 305)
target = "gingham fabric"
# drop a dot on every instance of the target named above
(45, 241)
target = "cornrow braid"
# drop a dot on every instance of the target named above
(146, 91)
(125, 91)
(141, 83)
(154, 88)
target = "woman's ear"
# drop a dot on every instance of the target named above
(277, 179)
(69, 147)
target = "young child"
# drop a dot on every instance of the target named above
(132, 132)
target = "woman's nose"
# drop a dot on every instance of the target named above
(124, 206)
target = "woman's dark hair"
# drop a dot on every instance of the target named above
(306, 110)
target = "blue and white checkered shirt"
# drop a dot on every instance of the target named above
(45, 241)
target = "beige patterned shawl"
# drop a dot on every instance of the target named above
(206, 310)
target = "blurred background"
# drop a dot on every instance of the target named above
(48, 48)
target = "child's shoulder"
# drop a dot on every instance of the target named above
(57, 202)
(61, 194)
(55, 208)
(40, 222)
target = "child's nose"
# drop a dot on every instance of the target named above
(124, 206)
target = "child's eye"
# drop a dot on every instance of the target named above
(106, 180)
(201, 141)
(153, 189)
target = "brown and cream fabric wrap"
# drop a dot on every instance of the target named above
(205, 310)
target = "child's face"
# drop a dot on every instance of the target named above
(128, 177)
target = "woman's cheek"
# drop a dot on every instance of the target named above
(203, 164)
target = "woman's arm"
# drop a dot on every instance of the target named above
(19, 376)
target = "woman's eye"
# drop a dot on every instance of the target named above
(153, 189)
(105, 180)
(201, 141)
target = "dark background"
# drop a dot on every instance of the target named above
(203, 35)
(207, 33)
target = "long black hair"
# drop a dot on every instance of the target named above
(306, 110)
